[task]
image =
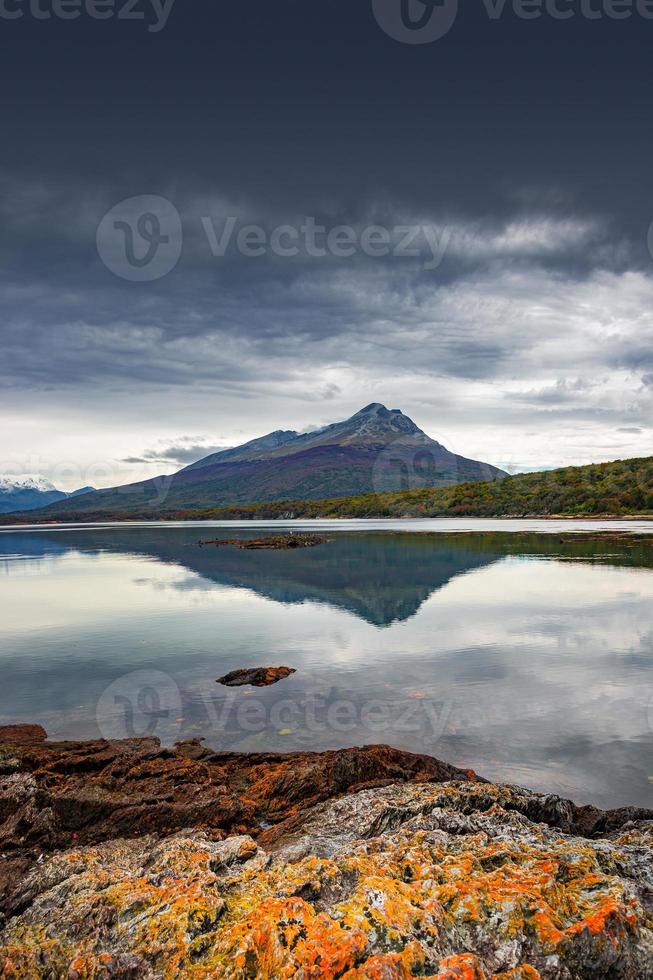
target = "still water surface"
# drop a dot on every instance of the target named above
(528, 657)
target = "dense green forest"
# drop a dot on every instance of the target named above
(617, 489)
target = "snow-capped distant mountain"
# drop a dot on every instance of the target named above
(29, 491)
(26, 482)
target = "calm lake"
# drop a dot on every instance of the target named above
(527, 656)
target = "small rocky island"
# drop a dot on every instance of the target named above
(126, 859)
(272, 542)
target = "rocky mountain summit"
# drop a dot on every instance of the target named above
(366, 864)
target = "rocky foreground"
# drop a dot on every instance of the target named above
(123, 859)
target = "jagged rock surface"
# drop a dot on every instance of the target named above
(55, 795)
(449, 880)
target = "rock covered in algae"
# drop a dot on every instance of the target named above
(450, 880)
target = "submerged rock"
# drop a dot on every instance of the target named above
(256, 676)
(420, 880)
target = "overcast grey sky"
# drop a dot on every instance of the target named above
(515, 154)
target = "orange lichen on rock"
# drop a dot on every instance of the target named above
(413, 880)
(391, 966)
(523, 972)
(282, 938)
(459, 880)
(463, 967)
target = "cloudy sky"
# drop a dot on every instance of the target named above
(320, 215)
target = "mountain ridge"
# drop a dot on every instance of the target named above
(272, 440)
(376, 449)
(363, 424)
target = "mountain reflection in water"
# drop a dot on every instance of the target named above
(382, 578)
(527, 657)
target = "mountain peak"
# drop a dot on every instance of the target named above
(377, 420)
(372, 409)
(376, 408)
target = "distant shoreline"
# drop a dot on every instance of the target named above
(142, 519)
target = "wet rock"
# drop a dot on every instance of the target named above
(256, 676)
(415, 880)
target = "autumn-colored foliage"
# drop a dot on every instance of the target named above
(619, 489)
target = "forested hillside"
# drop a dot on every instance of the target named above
(620, 488)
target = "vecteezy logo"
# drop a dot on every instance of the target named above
(141, 238)
(407, 465)
(416, 21)
(140, 704)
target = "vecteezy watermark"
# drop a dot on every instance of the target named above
(320, 713)
(140, 704)
(570, 9)
(141, 238)
(404, 464)
(425, 21)
(154, 13)
(416, 21)
(324, 712)
(149, 703)
(313, 240)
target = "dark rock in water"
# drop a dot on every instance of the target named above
(273, 542)
(256, 676)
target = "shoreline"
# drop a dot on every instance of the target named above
(280, 521)
(373, 853)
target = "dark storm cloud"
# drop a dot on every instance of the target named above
(182, 453)
(527, 179)
(223, 317)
